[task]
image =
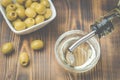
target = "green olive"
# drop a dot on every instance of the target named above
(40, 9)
(7, 48)
(28, 3)
(19, 5)
(48, 14)
(37, 44)
(24, 59)
(33, 5)
(21, 13)
(19, 25)
(35, 0)
(42, 0)
(29, 22)
(20, 1)
(5, 3)
(45, 3)
(30, 13)
(16, 21)
(11, 15)
(11, 7)
(39, 19)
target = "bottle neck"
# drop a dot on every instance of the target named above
(106, 24)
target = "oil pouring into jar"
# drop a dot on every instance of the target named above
(78, 52)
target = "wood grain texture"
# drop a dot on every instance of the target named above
(71, 14)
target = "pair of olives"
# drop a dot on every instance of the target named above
(7, 48)
(24, 59)
(26, 13)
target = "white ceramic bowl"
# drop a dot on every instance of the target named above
(32, 28)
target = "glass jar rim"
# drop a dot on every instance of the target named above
(66, 66)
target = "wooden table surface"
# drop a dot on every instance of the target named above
(71, 14)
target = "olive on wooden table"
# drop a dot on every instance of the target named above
(24, 59)
(37, 44)
(7, 48)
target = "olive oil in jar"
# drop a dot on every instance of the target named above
(81, 55)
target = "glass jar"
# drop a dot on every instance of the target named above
(85, 57)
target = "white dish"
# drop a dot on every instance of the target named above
(32, 28)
